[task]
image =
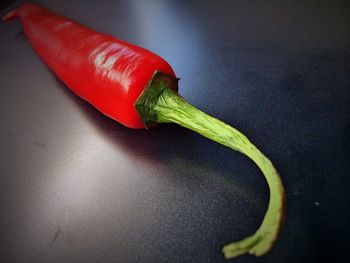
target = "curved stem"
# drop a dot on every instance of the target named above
(159, 103)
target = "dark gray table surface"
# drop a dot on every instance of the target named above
(76, 186)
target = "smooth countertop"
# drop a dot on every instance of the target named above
(76, 186)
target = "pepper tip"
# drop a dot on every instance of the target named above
(10, 15)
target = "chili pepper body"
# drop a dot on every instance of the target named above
(107, 72)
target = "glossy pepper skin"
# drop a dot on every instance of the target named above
(105, 71)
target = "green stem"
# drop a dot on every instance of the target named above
(161, 104)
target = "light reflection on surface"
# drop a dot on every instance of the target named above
(167, 30)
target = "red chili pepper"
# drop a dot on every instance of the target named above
(138, 89)
(107, 72)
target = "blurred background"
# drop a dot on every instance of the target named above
(76, 186)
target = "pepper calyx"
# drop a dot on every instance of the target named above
(146, 102)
